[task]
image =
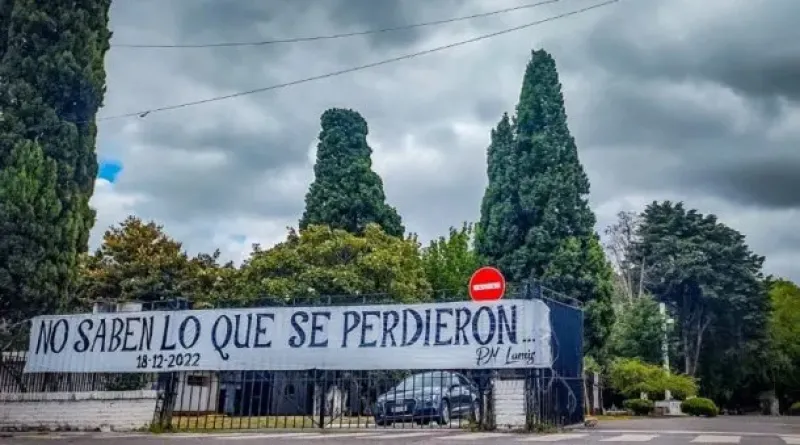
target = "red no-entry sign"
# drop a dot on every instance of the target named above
(487, 284)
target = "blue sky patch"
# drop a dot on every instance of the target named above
(109, 170)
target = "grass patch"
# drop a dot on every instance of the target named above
(545, 428)
(216, 422)
(620, 417)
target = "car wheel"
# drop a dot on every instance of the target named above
(475, 412)
(444, 413)
(382, 422)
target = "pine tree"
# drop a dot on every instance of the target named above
(346, 193)
(535, 218)
(52, 83)
(31, 264)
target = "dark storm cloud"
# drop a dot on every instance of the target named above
(290, 122)
(203, 198)
(752, 47)
(490, 109)
(247, 149)
(234, 20)
(219, 168)
(701, 83)
(624, 113)
(441, 136)
(769, 183)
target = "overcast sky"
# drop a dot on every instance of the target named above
(668, 99)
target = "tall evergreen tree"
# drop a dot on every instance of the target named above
(346, 193)
(499, 231)
(535, 217)
(711, 281)
(52, 83)
(5, 18)
(31, 265)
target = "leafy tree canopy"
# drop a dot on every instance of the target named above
(785, 319)
(784, 326)
(712, 284)
(137, 261)
(580, 270)
(638, 331)
(707, 275)
(632, 377)
(321, 261)
(449, 263)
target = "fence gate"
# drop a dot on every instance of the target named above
(488, 371)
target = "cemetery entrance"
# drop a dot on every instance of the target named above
(514, 362)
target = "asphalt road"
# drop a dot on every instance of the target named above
(722, 430)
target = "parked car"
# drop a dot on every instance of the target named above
(431, 396)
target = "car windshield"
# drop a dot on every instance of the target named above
(419, 381)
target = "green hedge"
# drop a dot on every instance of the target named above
(794, 410)
(699, 406)
(639, 407)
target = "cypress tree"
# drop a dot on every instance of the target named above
(31, 265)
(5, 18)
(498, 232)
(346, 194)
(52, 83)
(535, 218)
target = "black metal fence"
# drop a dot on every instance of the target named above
(326, 399)
(436, 398)
(14, 380)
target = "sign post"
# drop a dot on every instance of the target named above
(487, 284)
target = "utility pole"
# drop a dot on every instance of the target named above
(666, 321)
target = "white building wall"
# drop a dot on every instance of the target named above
(509, 404)
(197, 392)
(78, 411)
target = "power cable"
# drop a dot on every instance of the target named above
(145, 113)
(337, 36)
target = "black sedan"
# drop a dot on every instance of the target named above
(432, 396)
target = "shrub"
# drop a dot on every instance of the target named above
(681, 386)
(639, 407)
(794, 410)
(700, 406)
(632, 377)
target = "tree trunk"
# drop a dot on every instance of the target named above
(692, 333)
(686, 323)
(703, 325)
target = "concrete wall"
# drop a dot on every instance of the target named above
(79, 411)
(509, 404)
